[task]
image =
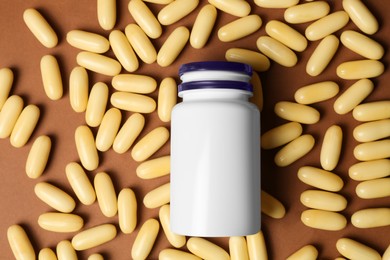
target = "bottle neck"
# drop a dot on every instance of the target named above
(214, 94)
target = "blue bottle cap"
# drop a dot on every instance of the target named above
(216, 65)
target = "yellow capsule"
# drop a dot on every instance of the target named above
(6, 80)
(362, 45)
(167, 99)
(98, 63)
(257, 97)
(372, 189)
(88, 41)
(134, 83)
(145, 18)
(356, 250)
(158, 196)
(316, 92)
(46, 254)
(20, 243)
(319, 178)
(174, 254)
(105, 194)
(239, 28)
(66, 251)
(322, 55)
(234, 7)
(238, 249)
(51, 77)
(173, 46)
(372, 150)
(128, 133)
(80, 183)
(331, 147)
(370, 170)
(54, 197)
(281, 135)
(86, 149)
(294, 150)
(203, 25)
(160, 2)
(96, 106)
(9, 114)
(78, 89)
(133, 102)
(106, 13)
(258, 61)
(276, 3)
(372, 111)
(271, 206)
(297, 112)
(174, 239)
(308, 252)
(123, 51)
(108, 129)
(286, 35)
(352, 97)
(324, 200)
(372, 131)
(24, 126)
(38, 157)
(386, 254)
(127, 210)
(176, 10)
(276, 51)
(371, 218)
(307, 12)
(94, 236)
(141, 44)
(326, 25)
(40, 28)
(206, 249)
(60, 222)
(95, 256)
(154, 168)
(256, 246)
(150, 143)
(361, 16)
(325, 220)
(360, 69)
(145, 239)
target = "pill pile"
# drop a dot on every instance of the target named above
(97, 174)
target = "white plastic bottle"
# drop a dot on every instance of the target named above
(215, 152)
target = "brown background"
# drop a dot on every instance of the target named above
(21, 52)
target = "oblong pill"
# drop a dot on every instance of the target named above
(258, 61)
(38, 157)
(360, 69)
(176, 10)
(141, 44)
(105, 194)
(203, 25)
(239, 28)
(271, 206)
(133, 102)
(123, 50)
(306, 12)
(174, 239)
(154, 168)
(167, 99)
(40, 28)
(25, 126)
(51, 77)
(238, 248)
(233, 7)
(158, 196)
(97, 103)
(150, 143)
(372, 111)
(370, 170)
(88, 41)
(326, 25)
(258, 97)
(276, 3)
(9, 114)
(362, 45)
(316, 92)
(319, 178)
(145, 18)
(54, 197)
(322, 55)
(372, 150)
(106, 13)
(331, 147)
(95, 256)
(372, 131)
(20, 244)
(276, 51)
(325, 220)
(324, 200)
(6, 80)
(173, 46)
(145, 239)
(174, 254)
(134, 83)
(371, 218)
(386, 254)
(60, 222)
(297, 112)
(280, 135)
(78, 89)
(66, 251)
(94, 236)
(356, 250)
(256, 246)
(361, 16)
(128, 133)
(308, 252)
(372, 189)
(294, 150)
(286, 35)
(108, 129)
(80, 183)
(98, 63)
(127, 210)
(47, 254)
(86, 149)
(206, 249)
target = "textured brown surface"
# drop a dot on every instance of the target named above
(21, 52)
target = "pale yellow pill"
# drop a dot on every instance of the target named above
(361, 16)
(372, 189)
(174, 254)
(127, 210)
(158, 196)
(325, 200)
(154, 168)
(276, 51)
(38, 157)
(331, 147)
(372, 150)
(97, 103)
(361, 44)
(372, 111)
(326, 25)
(276, 3)
(370, 170)
(60, 222)
(308, 252)
(176, 10)
(78, 89)
(123, 51)
(128, 133)
(108, 129)
(281, 135)
(234, 7)
(271, 206)
(206, 249)
(372, 131)
(94, 236)
(322, 55)
(297, 112)
(371, 218)
(88, 41)
(319, 178)
(256, 246)
(9, 114)
(25, 126)
(80, 183)
(294, 150)
(160, 2)
(173, 46)
(386, 254)
(286, 35)
(105, 194)
(20, 243)
(203, 25)
(360, 69)
(141, 44)
(353, 96)
(95, 256)
(106, 13)
(6, 80)
(145, 239)
(150, 143)
(238, 248)
(257, 97)
(40, 28)
(65, 251)
(54, 197)
(239, 28)
(47, 254)
(324, 220)
(98, 63)
(51, 77)
(258, 61)
(86, 149)
(144, 17)
(133, 102)
(316, 92)
(167, 98)
(356, 250)
(174, 239)
(306, 12)
(134, 83)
